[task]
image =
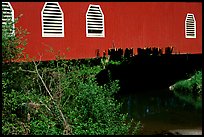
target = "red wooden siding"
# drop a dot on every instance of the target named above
(127, 24)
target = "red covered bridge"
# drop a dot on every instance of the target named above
(78, 29)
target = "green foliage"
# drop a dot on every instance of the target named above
(14, 128)
(44, 126)
(11, 41)
(190, 90)
(90, 109)
(115, 62)
(94, 110)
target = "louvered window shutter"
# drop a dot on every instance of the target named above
(190, 26)
(95, 22)
(52, 20)
(7, 14)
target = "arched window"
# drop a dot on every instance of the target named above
(52, 20)
(7, 14)
(190, 26)
(94, 22)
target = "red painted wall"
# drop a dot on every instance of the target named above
(127, 24)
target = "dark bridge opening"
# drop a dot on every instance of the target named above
(140, 73)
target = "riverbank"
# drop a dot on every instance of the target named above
(190, 90)
(186, 131)
(196, 131)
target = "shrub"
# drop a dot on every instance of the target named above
(11, 41)
(87, 107)
(190, 90)
(94, 110)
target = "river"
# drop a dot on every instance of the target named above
(160, 111)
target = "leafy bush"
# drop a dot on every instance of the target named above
(88, 108)
(11, 41)
(190, 90)
(44, 125)
(94, 110)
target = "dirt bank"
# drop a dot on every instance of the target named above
(186, 131)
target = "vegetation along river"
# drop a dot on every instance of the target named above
(160, 111)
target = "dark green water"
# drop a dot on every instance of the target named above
(160, 110)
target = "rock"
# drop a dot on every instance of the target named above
(171, 88)
(186, 131)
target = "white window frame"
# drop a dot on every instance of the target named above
(91, 24)
(190, 26)
(12, 16)
(44, 34)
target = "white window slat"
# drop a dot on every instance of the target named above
(53, 31)
(95, 29)
(56, 19)
(95, 26)
(52, 15)
(6, 9)
(8, 14)
(54, 6)
(190, 26)
(52, 20)
(94, 12)
(94, 21)
(94, 35)
(52, 25)
(94, 7)
(48, 12)
(55, 9)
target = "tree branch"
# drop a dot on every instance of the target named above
(66, 126)
(36, 69)
(26, 70)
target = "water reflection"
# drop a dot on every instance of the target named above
(161, 109)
